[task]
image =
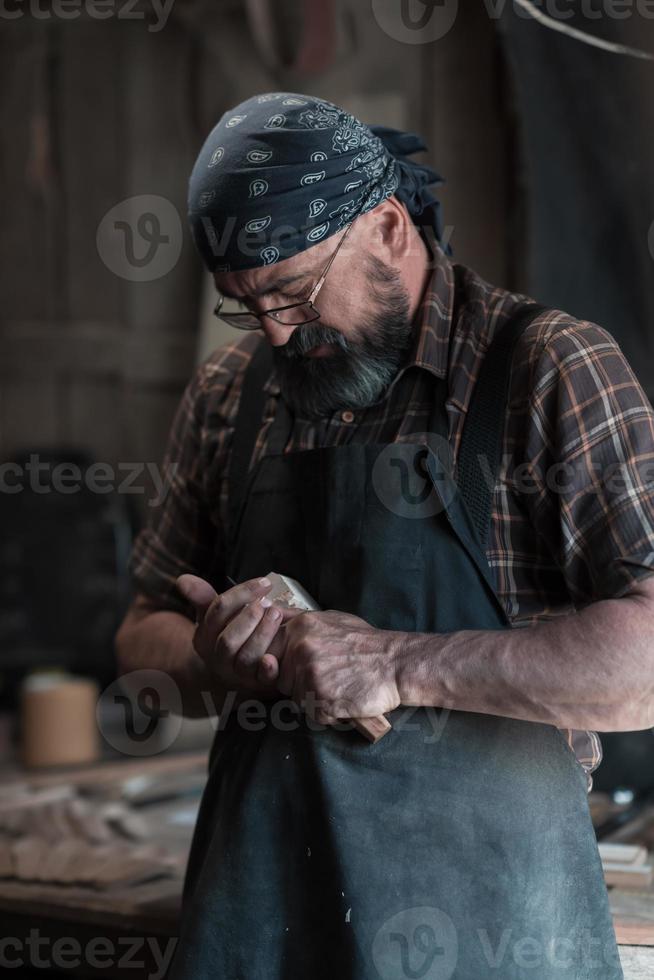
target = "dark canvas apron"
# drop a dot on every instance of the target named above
(459, 845)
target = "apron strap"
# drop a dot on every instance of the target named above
(248, 423)
(480, 451)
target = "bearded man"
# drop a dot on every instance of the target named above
(434, 459)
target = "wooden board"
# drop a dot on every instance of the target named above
(152, 907)
(633, 916)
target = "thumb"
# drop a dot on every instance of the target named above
(198, 591)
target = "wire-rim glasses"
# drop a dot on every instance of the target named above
(291, 315)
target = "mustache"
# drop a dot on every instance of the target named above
(309, 335)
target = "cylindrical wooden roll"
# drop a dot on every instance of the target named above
(58, 722)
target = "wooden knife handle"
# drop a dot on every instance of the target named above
(372, 728)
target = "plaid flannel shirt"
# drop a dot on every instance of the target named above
(573, 509)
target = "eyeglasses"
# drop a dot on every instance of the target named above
(291, 315)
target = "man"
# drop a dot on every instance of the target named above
(459, 477)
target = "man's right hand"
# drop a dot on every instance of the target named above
(236, 633)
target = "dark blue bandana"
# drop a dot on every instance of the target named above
(282, 171)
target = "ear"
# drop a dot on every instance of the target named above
(390, 230)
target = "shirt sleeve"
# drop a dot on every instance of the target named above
(590, 453)
(180, 535)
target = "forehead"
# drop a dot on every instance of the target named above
(268, 279)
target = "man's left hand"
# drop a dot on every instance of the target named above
(336, 665)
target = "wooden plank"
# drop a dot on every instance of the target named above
(466, 129)
(152, 410)
(39, 347)
(61, 857)
(633, 932)
(158, 69)
(152, 906)
(96, 348)
(622, 853)
(629, 876)
(98, 431)
(28, 855)
(90, 96)
(633, 915)
(29, 413)
(96, 775)
(27, 252)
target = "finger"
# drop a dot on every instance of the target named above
(251, 652)
(268, 669)
(197, 591)
(289, 614)
(278, 644)
(229, 603)
(237, 632)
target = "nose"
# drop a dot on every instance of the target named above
(276, 333)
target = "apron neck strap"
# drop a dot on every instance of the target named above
(480, 451)
(249, 419)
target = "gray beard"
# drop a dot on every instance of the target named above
(356, 372)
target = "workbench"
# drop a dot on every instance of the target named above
(137, 921)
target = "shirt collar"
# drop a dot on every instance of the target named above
(431, 330)
(433, 322)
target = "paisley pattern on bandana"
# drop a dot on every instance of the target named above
(282, 171)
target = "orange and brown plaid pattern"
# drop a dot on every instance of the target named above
(573, 509)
